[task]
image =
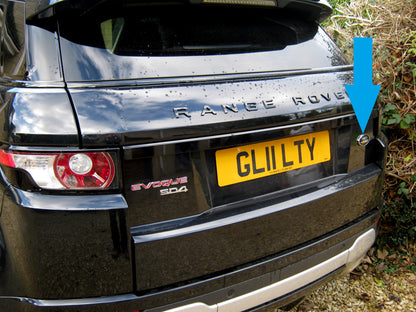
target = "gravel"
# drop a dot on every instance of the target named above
(364, 293)
(378, 284)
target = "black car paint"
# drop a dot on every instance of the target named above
(166, 122)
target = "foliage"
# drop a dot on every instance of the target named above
(399, 222)
(391, 116)
(392, 26)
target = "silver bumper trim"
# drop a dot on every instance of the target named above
(350, 258)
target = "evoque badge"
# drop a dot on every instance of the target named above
(167, 187)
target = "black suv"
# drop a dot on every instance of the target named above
(181, 155)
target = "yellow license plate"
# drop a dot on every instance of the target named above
(249, 162)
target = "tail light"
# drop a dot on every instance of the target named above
(64, 170)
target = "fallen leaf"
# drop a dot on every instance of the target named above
(382, 254)
(411, 277)
(367, 260)
(407, 78)
(364, 297)
(380, 267)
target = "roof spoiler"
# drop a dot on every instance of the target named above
(312, 10)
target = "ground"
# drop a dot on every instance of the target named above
(385, 281)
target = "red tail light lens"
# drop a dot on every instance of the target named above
(64, 170)
(6, 159)
(84, 170)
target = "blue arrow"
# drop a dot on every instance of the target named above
(363, 94)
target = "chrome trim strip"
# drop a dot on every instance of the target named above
(31, 84)
(227, 135)
(84, 301)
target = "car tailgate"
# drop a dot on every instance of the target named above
(291, 133)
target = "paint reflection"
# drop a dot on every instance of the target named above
(13, 56)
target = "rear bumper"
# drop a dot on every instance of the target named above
(278, 278)
(347, 259)
(337, 264)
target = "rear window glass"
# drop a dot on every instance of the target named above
(182, 30)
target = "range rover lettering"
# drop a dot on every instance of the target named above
(178, 155)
